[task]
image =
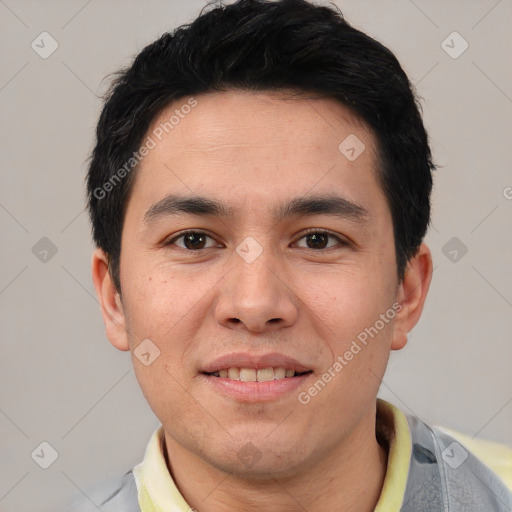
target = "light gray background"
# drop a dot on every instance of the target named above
(62, 382)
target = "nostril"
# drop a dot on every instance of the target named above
(274, 320)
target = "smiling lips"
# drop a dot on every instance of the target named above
(255, 375)
(250, 378)
(246, 367)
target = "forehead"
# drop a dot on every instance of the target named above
(255, 146)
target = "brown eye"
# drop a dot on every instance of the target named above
(319, 240)
(193, 241)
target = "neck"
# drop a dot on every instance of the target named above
(348, 479)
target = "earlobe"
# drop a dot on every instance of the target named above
(411, 295)
(110, 301)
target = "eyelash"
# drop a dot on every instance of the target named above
(310, 231)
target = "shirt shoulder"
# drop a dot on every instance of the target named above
(496, 456)
(115, 495)
(445, 475)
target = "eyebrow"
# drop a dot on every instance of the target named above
(298, 207)
(323, 205)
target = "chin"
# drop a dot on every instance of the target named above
(259, 459)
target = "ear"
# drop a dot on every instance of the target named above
(110, 301)
(412, 293)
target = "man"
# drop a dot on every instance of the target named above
(259, 192)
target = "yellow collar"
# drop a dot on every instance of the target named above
(157, 491)
(393, 426)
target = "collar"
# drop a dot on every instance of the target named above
(157, 491)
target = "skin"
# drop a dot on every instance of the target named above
(253, 151)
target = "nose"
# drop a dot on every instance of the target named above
(255, 297)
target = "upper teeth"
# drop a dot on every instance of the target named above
(253, 374)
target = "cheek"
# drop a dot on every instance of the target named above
(157, 301)
(160, 308)
(358, 343)
(347, 300)
(167, 308)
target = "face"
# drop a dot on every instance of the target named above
(255, 247)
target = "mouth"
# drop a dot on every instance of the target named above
(256, 374)
(243, 386)
(249, 378)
